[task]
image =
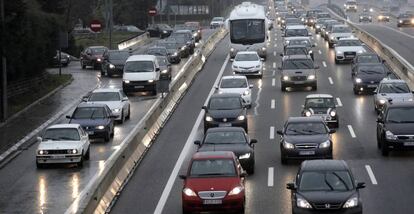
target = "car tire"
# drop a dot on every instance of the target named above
(129, 113)
(122, 118)
(113, 131)
(284, 160)
(314, 87)
(250, 170)
(379, 144)
(40, 165)
(154, 92)
(83, 65)
(107, 136)
(80, 163)
(186, 211)
(384, 148)
(283, 88)
(336, 61)
(88, 154)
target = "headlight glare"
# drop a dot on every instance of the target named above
(287, 145)
(100, 127)
(164, 71)
(390, 136)
(150, 80)
(325, 144)
(126, 81)
(382, 101)
(352, 202)
(116, 110)
(245, 156)
(358, 80)
(285, 78)
(311, 77)
(209, 118)
(308, 114)
(241, 117)
(236, 190)
(111, 66)
(332, 113)
(302, 203)
(247, 92)
(189, 192)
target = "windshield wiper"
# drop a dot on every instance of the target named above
(342, 180)
(311, 131)
(327, 183)
(49, 138)
(296, 131)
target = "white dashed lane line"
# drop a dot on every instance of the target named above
(274, 65)
(351, 131)
(338, 102)
(371, 175)
(272, 104)
(270, 176)
(274, 53)
(324, 64)
(273, 82)
(272, 132)
(330, 80)
(320, 52)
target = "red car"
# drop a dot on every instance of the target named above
(92, 56)
(214, 182)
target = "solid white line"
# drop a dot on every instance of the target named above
(338, 101)
(351, 131)
(273, 82)
(315, 44)
(324, 64)
(330, 80)
(270, 176)
(274, 65)
(272, 104)
(371, 175)
(167, 189)
(272, 132)
(320, 52)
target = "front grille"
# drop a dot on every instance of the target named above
(349, 53)
(246, 67)
(224, 119)
(87, 128)
(306, 146)
(298, 78)
(212, 194)
(57, 152)
(405, 137)
(327, 206)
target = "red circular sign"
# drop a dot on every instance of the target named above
(95, 25)
(152, 12)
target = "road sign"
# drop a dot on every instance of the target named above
(152, 11)
(95, 25)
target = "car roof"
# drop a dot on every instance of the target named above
(367, 54)
(246, 52)
(304, 119)
(225, 95)
(294, 27)
(225, 129)
(213, 155)
(64, 125)
(319, 96)
(341, 25)
(81, 105)
(141, 58)
(297, 57)
(324, 165)
(106, 90)
(234, 77)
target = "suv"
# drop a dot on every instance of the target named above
(298, 70)
(322, 105)
(347, 49)
(141, 73)
(394, 89)
(395, 127)
(92, 56)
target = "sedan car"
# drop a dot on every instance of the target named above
(325, 186)
(115, 99)
(187, 36)
(65, 59)
(365, 17)
(165, 68)
(237, 84)
(214, 182)
(383, 17)
(92, 56)
(217, 22)
(305, 137)
(290, 50)
(347, 49)
(321, 105)
(405, 19)
(367, 77)
(248, 63)
(232, 139)
(298, 71)
(63, 143)
(159, 30)
(195, 27)
(168, 48)
(391, 89)
(95, 118)
(224, 110)
(113, 62)
(365, 58)
(186, 48)
(338, 32)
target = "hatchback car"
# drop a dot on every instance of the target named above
(305, 137)
(237, 84)
(92, 56)
(364, 58)
(214, 182)
(325, 186)
(367, 77)
(391, 89)
(321, 105)
(232, 139)
(346, 49)
(248, 63)
(114, 62)
(298, 71)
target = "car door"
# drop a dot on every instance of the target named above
(124, 101)
(84, 139)
(380, 123)
(108, 115)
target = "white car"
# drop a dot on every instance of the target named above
(391, 89)
(338, 32)
(115, 99)
(296, 31)
(63, 143)
(347, 48)
(217, 22)
(236, 84)
(248, 63)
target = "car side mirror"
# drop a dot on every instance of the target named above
(379, 119)
(68, 117)
(243, 174)
(39, 139)
(290, 186)
(157, 69)
(204, 107)
(317, 67)
(251, 86)
(331, 131)
(216, 87)
(262, 59)
(253, 141)
(281, 54)
(182, 177)
(280, 132)
(124, 99)
(360, 185)
(231, 60)
(85, 99)
(197, 142)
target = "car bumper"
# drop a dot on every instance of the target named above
(401, 145)
(293, 83)
(317, 153)
(343, 58)
(355, 210)
(365, 87)
(45, 159)
(248, 72)
(139, 86)
(235, 123)
(97, 133)
(118, 71)
(229, 204)
(174, 59)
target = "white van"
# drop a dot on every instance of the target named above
(141, 73)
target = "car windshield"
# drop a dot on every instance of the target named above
(349, 43)
(246, 57)
(323, 15)
(296, 32)
(169, 45)
(306, 128)
(225, 103)
(104, 96)
(98, 51)
(61, 134)
(118, 55)
(372, 69)
(320, 103)
(139, 66)
(402, 16)
(368, 59)
(233, 83)
(298, 64)
(156, 51)
(218, 19)
(162, 61)
(228, 137)
(89, 113)
(299, 42)
(296, 51)
(325, 181)
(394, 88)
(247, 31)
(341, 29)
(400, 115)
(212, 167)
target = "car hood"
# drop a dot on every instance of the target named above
(233, 90)
(111, 104)
(139, 76)
(349, 48)
(97, 56)
(246, 64)
(294, 139)
(90, 122)
(324, 197)
(117, 62)
(58, 145)
(396, 96)
(237, 148)
(232, 113)
(401, 128)
(374, 78)
(212, 184)
(298, 72)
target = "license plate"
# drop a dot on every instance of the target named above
(409, 144)
(225, 124)
(372, 86)
(90, 132)
(58, 156)
(139, 86)
(212, 201)
(349, 56)
(299, 82)
(306, 152)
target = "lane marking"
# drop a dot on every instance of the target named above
(272, 104)
(351, 131)
(371, 175)
(398, 31)
(320, 52)
(315, 44)
(324, 64)
(273, 82)
(339, 102)
(274, 65)
(275, 38)
(273, 73)
(275, 45)
(188, 144)
(272, 132)
(270, 176)
(274, 53)
(330, 80)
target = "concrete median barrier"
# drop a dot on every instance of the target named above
(133, 43)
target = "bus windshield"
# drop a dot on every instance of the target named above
(247, 31)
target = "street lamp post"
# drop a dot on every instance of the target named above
(4, 68)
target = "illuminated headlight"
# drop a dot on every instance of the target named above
(72, 151)
(189, 192)
(126, 81)
(42, 152)
(279, 18)
(99, 59)
(371, 10)
(338, 52)
(344, 5)
(390, 136)
(164, 31)
(285, 78)
(287, 145)
(356, 7)
(283, 21)
(311, 77)
(150, 81)
(231, 49)
(332, 113)
(247, 92)
(400, 21)
(382, 101)
(370, 17)
(352, 202)
(241, 117)
(410, 99)
(209, 119)
(116, 110)
(332, 37)
(308, 114)
(245, 156)
(412, 21)
(302, 19)
(327, 32)
(111, 66)
(318, 26)
(164, 71)
(263, 48)
(100, 127)
(358, 80)
(361, 51)
(361, 17)
(325, 144)
(388, 17)
(236, 190)
(175, 54)
(302, 203)
(311, 20)
(183, 48)
(198, 31)
(195, 34)
(380, 17)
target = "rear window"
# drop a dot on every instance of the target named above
(213, 167)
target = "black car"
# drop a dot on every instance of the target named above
(383, 17)
(65, 59)
(186, 48)
(305, 137)
(187, 37)
(113, 62)
(321, 105)
(325, 186)
(232, 139)
(365, 58)
(96, 119)
(405, 19)
(224, 110)
(165, 68)
(174, 51)
(395, 127)
(290, 50)
(366, 77)
(159, 30)
(365, 17)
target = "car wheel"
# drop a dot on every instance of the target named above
(113, 131)
(80, 163)
(250, 170)
(122, 118)
(186, 211)
(129, 113)
(379, 144)
(154, 92)
(315, 87)
(283, 160)
(336, 61)
(283, 88)
(384, 148)
(83, 65)
(40, 165)
(87, 155)
(107, 136)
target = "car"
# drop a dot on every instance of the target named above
(280, 14)
(65, 59)
(291, 22)
(165, 67)
(232, 139)
(338, 32)
(214, 181)
(225, 110)
(115, 99)
(350, 5)
(325, 186)
(305, 137)
(157, 51)
(297, 50)
(383, 17)
(95, 118)
(365, 17)
(391, 89)
(173, 49)
(128, 28)
(319, 23)
(298, 71)
(311, 16)
(322, 15)
(236, 84)
(196, 28)
(141, 73)
(405, 19)
(186, 48)
(217, 22)
(347, 49)
(367, 77)
(92, 56)
(248, 63)
(325, 32)
(63, 143)
(159, 30)
(321, 105)
(187, 36)
(364, 58)
(285, 17)
(305, 41)
(113, 62)
(296, 31)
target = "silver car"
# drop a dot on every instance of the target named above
(298, 71)
(391, 89)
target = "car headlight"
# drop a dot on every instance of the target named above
(390, 136)
(175, 54)
(150, 81)
(285, 78)
(241, 117)
(263, 48)
(327, 32)
(247, 92)
(308, 113)
(352, 202)
(318, 26)
(370, 17)
(338, 52)
(388, 17)
(111, 66)
(195, 34)
(99, 59)
(325, 144)
(245, 156)
(400, 21)
(332, 38)
(332, 113)
(126, 81)
(361, 51)
(116, 110)
(302, 203)
(257, 66)
(361, 17)
(183, 48)
(412, 21)
(189, 192)
(72, 151)
(358, 80)
(287, 145)
(311, 77)
(164, 71)
(382, 101)
(283, 21)
(279, 18)
(236, 190)
(164, 31)
(209, 118)
(302, 19)
(371, 10)
(100, 127)
(42, 152)
(235, 66)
